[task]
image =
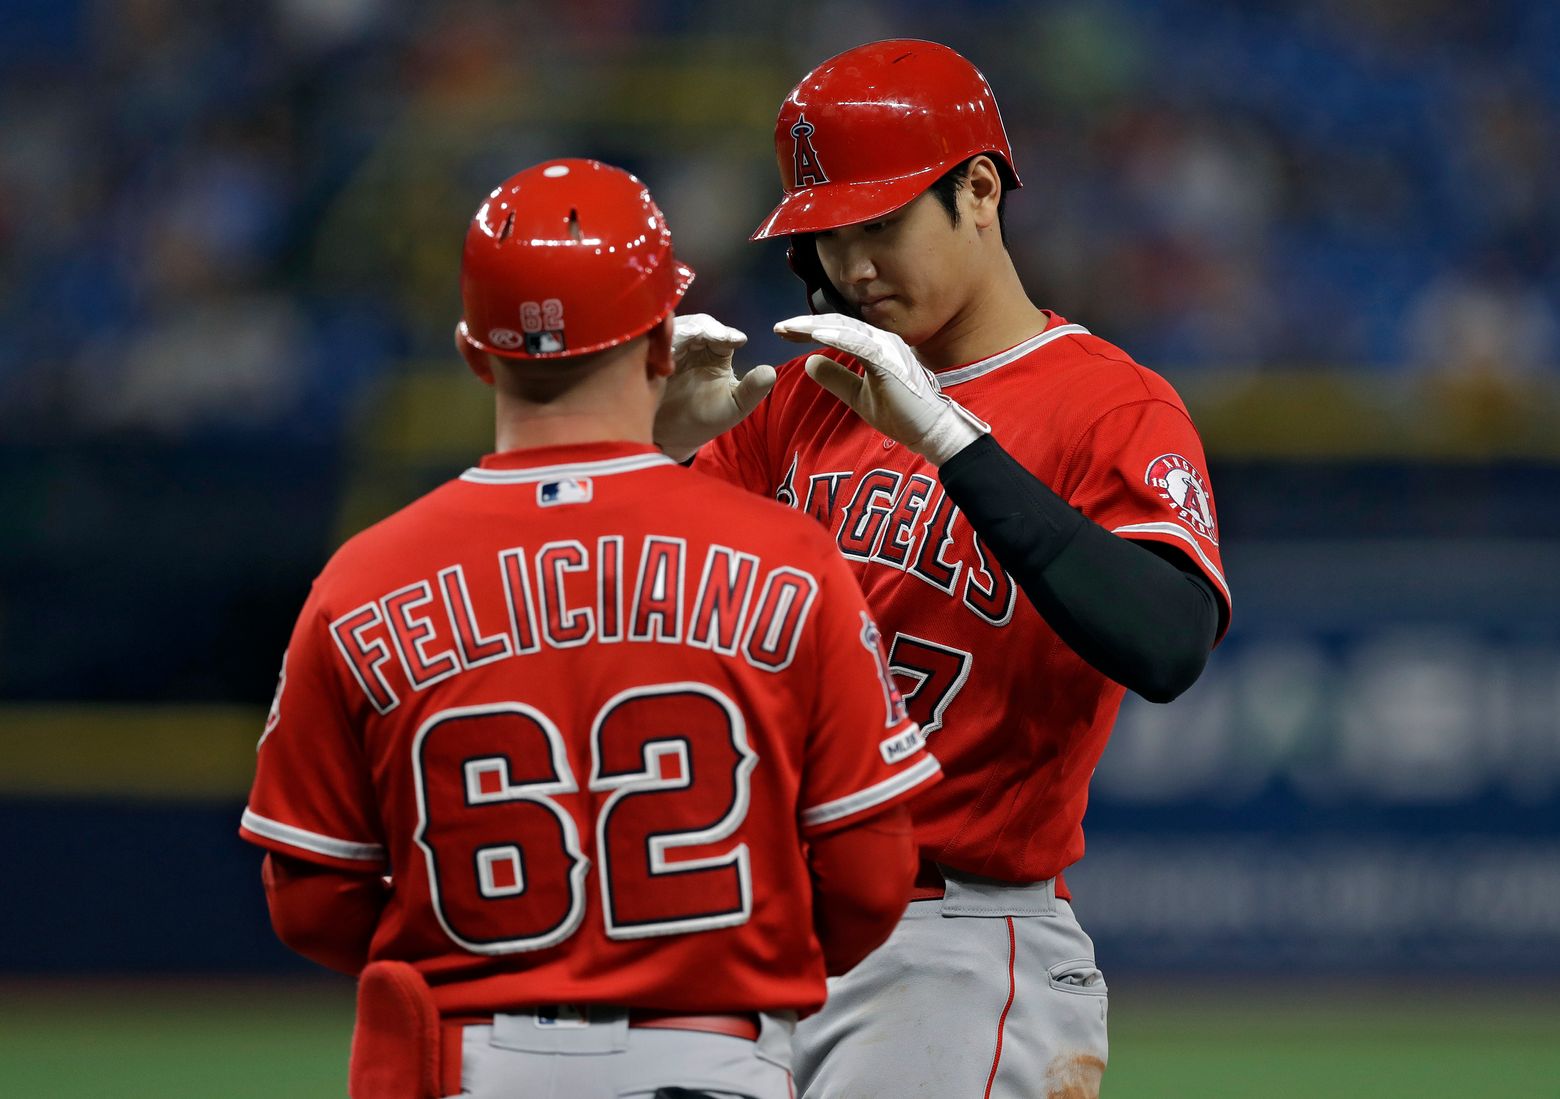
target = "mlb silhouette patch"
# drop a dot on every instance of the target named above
(544, 343)
(570, 490)
(896, 748)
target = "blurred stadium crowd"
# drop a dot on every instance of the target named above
(219, 218)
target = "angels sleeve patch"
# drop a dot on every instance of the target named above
(274, 717)
(1184, 491)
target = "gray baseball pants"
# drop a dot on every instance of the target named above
(520, 1057)
(991, 992)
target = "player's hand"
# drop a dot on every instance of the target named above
(895, 394)
(703, 397)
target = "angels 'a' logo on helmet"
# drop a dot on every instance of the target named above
(1181, 486)
(806, 170)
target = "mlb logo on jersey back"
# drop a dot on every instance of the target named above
(570, 490)
(1182, 487)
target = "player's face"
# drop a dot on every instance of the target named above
(907, 273)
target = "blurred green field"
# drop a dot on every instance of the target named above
(258, 1040)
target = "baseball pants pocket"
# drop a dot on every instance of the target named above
(1073, 1011)
(1079, 975)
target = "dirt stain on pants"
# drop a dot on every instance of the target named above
(1074, 1076)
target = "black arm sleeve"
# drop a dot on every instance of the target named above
(1145, 619)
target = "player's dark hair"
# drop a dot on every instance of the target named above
(952, 182)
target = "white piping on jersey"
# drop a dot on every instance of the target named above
(312, 841)
(480, 476)
(1181, 533)
(872, 795)
(986, 366)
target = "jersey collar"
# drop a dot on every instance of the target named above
(1058, 328)
(551, 463)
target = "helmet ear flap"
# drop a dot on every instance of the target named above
(802, 256)
(475, 357)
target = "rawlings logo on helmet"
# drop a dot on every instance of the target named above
(804, 158)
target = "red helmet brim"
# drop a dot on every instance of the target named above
(832, 205)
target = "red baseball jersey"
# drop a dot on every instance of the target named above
(582, 706)
(1016, 717)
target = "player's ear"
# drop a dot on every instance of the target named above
(982, 192)
(658, 361)
(475, 357)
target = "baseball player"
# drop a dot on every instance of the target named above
(1029, 514)
(594, 762)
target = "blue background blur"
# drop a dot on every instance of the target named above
(229, 241)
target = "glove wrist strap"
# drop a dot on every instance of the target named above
(956, 429)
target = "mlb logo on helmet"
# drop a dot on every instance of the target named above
(570, 490)
(544, 343)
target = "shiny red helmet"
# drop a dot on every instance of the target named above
(566, 258)
(866, 132)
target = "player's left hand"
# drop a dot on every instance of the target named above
(704, 398)
(896, 394)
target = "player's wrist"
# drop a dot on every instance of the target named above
(683, 426)
(951, 433)
(683, 456)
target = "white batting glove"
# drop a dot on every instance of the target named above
(703, 397)
(896, 395)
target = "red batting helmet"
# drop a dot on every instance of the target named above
(566, 258)
(869, 130)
